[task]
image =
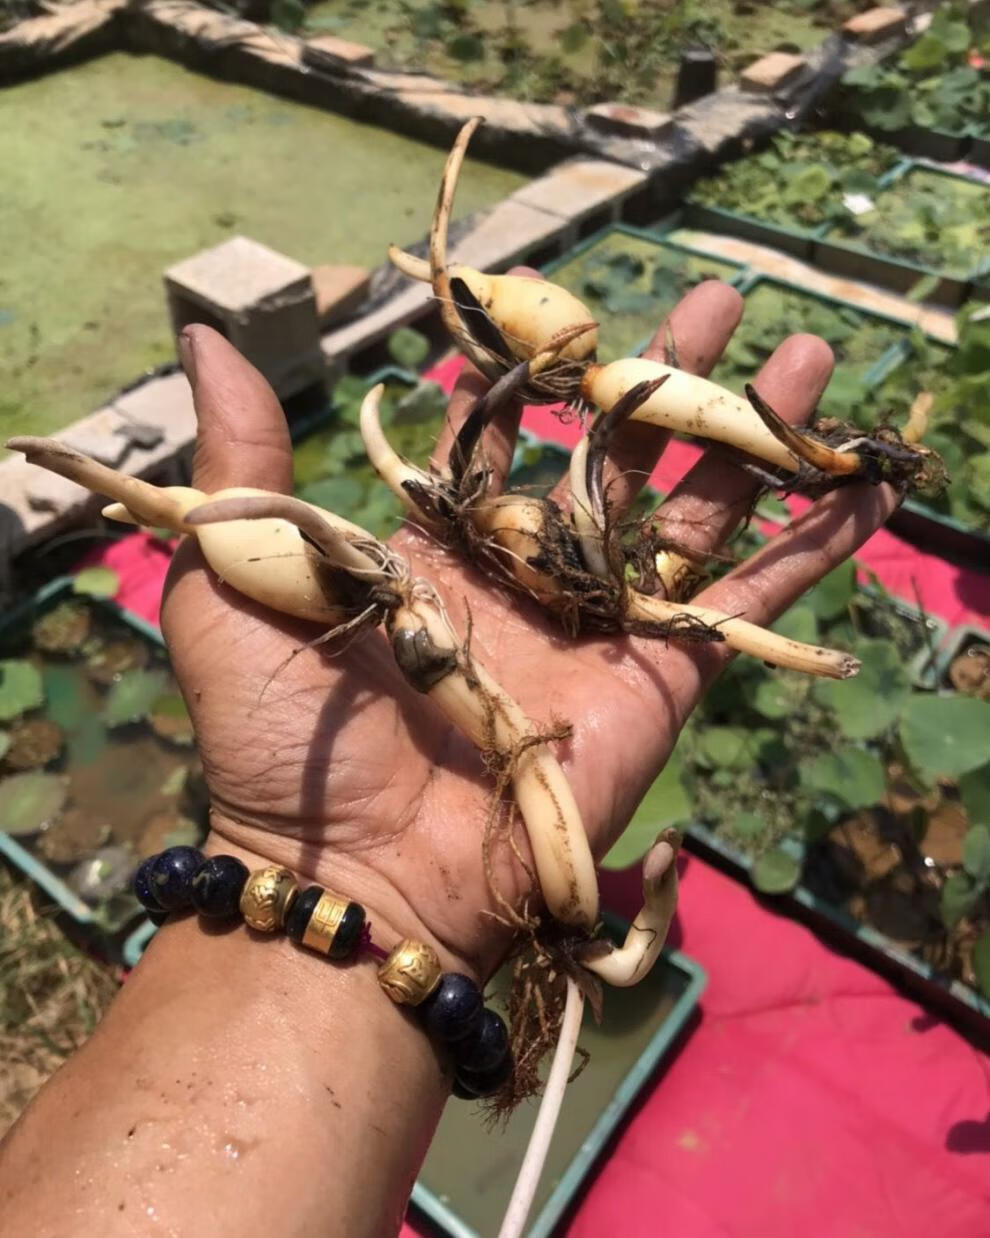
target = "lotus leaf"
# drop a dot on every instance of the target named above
(776, 872)
(170, 719)
(853, 776)
(945, 736)
(73, 835)
(34, 742)
(871, 703)
(96, 582)
(408, 347)
(981, 962)
(21, 688)
(133, 695)
(976, 853)
(107, 662)
(28, 802)
(665, 804)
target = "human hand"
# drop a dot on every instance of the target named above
(329, 763)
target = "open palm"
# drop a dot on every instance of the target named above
(326, 761)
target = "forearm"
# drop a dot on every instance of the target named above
(237, 1086)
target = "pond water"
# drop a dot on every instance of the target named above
(117, 168)
(98, 767)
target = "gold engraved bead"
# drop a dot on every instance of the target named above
(266, 898)
(322, 926)
(410, 973)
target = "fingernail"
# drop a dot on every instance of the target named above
(187, 355)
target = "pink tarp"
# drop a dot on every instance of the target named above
(810, 1098)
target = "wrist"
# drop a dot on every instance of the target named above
(391, 917)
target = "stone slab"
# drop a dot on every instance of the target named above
(507, 234)
(580, 187)
(411, 303)
(100, 436)
(772, 73)
(71, 31)
(328, 52)
(166, 403)
(875, 25)
(627, 121)
(728, 116)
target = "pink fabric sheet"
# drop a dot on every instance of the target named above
(810, 1098)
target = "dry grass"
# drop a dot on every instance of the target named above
(52, 995)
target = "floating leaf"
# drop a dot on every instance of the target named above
(853, 776)
(869, 704)
(777, 696)
(798, 623)
(63, 629)
(408, 347)
(833, 593)
(976, 853)
(665, 804)
(725, 746)
(776, 872)
(21, 688)
(170, 719)
(4, 743)
(957, 898)
(96, 582)
(981, 962)
(132, 696)
(974, 791)
(28, 802)
(945, 736)
(105, 873)
(70, 837)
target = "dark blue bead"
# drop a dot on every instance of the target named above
(453, 1010)
(216, 887)
(171, 877)
(301, 911)
(142, 886)
(158, 918)
(348, 932)
(469, 1083)
(487, 1048)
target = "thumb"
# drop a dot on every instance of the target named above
(242, 438)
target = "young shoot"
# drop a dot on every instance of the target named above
(499, 320)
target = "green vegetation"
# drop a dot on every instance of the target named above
(115, 169)
(629, 283)
(773, 311)
(871, 791)
(799, 181)
(932, 84)
(927, 218)
(581, 51)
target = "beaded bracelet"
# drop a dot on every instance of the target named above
(449, 1005)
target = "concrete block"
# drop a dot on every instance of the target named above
(772, 73)
(166, 404)
(628, 121)
(411, 303)
(582, 188)
(875, 25)
(100, 436)
(262, 301)
(329, 52)
(339, 291)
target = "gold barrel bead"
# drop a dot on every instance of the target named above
(410, 973)
(323, 925)
(267, 897)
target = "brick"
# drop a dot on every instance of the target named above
(339, 291)
(581, 187)
(875, 25)
(772, 73)
(262, 301)
(627, 121)
(329, 52)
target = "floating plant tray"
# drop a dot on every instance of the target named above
(465, 1183)
(925, 982)
(852, 260)
(121, 780)
(629, 278)
(798, 242)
